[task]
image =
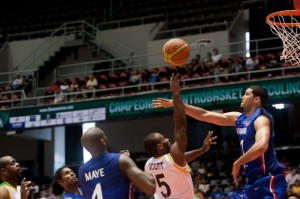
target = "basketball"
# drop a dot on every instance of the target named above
(176, 52)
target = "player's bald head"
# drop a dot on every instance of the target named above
(94, 141)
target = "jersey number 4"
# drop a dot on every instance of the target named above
(161, 183)
(97, 192)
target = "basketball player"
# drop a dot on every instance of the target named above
(169, 162)
(108, 175)
(65, 184)
(11, 175)
(255, 129)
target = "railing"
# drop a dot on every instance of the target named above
(138, 61)
(190, 30)
(33, 34)
(158, 87)
(131, 21)
(7, 77)
(12, 99)
(87, 68)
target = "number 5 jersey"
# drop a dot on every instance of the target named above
(172, 180)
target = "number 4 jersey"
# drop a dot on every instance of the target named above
(172, 180)
(102, 178)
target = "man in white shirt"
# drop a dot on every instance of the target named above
(292, 177)
(217, 61)
(17, 83)
(217, 57)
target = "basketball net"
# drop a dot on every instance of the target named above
(285, 25)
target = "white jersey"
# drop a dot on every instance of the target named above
(13, 192)
(172, 180)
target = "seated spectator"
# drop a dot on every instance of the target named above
(292, 177)
(59, 96)
(217, 57)
(197, 193)
(74, 87)
(272, 61)
(34, 191)
(27, 86)
(145, 75)
(198, 66)
(52, 88)
(154, 76)
(251, 63)
(236, 67)
(217, 63)
(217, 192)
(209, 63)
(64, 87)
(91, 83)
(204, 187)
(229, 192)
(295, 189)
(17, 83)
(135, 77)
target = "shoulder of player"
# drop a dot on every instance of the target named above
(124, 159)
(4, 192)
(263, 117)
(262, 120)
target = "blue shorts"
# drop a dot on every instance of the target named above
(267, 187)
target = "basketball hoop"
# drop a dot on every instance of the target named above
(285, 25)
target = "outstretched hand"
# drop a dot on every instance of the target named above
(175, 84)
(162, 103)
(209, 140)
(166, 103)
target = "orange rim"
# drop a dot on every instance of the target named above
(284, 13)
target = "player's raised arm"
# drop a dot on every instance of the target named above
(180, 140)
(222, 119)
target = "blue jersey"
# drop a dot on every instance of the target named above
(68, 195)
(102, 178)
(267, 163)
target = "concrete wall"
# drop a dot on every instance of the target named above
(4, 59)
(29, 54)
(237, 34)
(134, 37)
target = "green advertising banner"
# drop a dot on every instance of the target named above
(139, 106)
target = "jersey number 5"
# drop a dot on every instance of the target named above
(161, 183)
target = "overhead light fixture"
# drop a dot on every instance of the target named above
(278, 106)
